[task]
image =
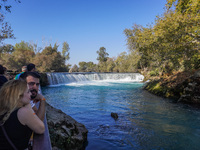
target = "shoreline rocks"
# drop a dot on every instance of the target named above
(65, 132)
(183, 87)
(191, 92)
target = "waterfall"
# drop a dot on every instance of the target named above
(64, 77)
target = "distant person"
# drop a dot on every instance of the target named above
(3, 79)
(31, 67)
(8, 76)
(17, 116)
(5, 73)
(24, 69)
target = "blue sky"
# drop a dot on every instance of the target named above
(86, 25)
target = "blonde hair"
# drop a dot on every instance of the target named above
(11, 94)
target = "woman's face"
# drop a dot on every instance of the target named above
(27, 97)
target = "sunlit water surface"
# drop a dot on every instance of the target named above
(145, 120)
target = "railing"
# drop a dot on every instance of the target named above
(42, 141)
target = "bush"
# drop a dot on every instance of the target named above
(154, 73)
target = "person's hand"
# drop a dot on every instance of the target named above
(38, 98)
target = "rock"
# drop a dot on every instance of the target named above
(114, 115)
(197, 74)
(191, 92)
(43, 79)
(65, 132)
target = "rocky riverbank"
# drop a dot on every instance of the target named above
(182, 87)
(65, 132)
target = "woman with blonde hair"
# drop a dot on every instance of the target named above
(16, 115)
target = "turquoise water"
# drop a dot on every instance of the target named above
(145, 120)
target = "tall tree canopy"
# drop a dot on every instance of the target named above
(172, 44)
(50, 59)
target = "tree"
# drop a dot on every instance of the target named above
(140, 40)
(65, 51)
(24, 45)
(110, 64)
(82, 66)
(8, 48)
(50, 59)
(23, 54)
(91, 67)
(102, 58)
(184, 6)
(172, 44)
(102, 55)
(122, 62)
(74, 68)
(5, 29)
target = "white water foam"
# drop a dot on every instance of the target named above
(104, 79)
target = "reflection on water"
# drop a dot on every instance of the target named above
(145, 120)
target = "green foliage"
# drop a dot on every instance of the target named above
(110, 65)
(154, 73)
(91, 67)
(184, 6)
(102, 55)
(172, 44)
(65, 51)
(121, 62)
(102, 67)
(50, 59)
(24, 45)
(85, 67)
(82, 66)
(6, 49)
(158, 89)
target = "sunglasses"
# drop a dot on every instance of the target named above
(33, 83)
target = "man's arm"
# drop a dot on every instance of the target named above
(35, 109)
(40, 112)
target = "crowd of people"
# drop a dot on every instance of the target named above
(19, 116)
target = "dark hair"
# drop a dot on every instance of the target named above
(26, 74)
(30, 66)
(1, 69)
(5, 69)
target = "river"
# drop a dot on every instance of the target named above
(145, 121)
